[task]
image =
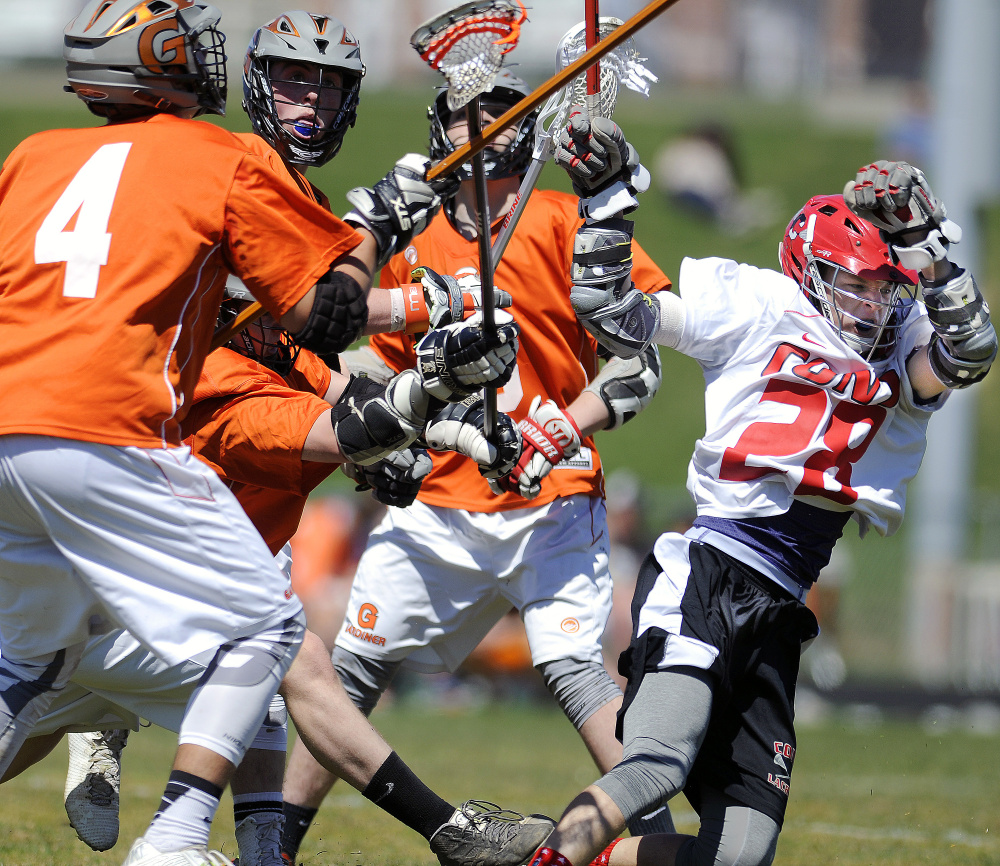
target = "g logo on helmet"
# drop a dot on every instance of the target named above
(161, 44)
(367, 615)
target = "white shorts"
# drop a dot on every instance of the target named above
(118, 682)
(433, 581)
(94, 537)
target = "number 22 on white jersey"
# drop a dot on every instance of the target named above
(90, 196)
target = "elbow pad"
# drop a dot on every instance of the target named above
(372, 420)
(628, 385)
(965, 341)
(338, 316)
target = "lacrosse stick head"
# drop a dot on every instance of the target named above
(621, 65)
(500, 159)
(467, 45)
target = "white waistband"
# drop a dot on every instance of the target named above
(749, 556)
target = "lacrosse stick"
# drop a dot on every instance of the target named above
(463, 154)
(622, 65)
(467, 45)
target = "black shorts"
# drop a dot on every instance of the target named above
(758, 629)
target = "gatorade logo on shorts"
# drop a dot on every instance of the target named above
(570, 625)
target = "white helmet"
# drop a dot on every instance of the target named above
(131, 57)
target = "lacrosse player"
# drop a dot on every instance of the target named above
(120, 237)
(261, 418)
(438, 575)
(820, 383)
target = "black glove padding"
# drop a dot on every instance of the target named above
(394, 480)
(401, 205)
(451, 299)
(594, 153)
(458, 359)
(459, 427)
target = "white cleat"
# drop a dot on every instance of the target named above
(143, 853)
(260, 841)
(92, 786)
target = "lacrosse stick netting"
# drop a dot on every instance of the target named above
(467, 45)
(620, 66)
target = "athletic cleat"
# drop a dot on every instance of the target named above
(483, 834)
(92, 783)
(260, 840)
(143, 853)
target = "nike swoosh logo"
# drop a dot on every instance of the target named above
(388, 790)
(809, 339)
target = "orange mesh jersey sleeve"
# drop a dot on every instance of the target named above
(250, 425)
(116, 245)
(557, 358)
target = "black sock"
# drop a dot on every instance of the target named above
(396, 789)
(297, 821)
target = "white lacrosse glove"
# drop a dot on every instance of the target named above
(401, 205)
(447, 300)
(459, 427)
(896, 198)
(603, 166)
(458, 359)
(550, 435)
(395, 479)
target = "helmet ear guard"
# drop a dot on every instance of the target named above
(133, 57)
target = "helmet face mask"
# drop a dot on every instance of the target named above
(264, 340)
(845, 269)
(133, 57)
(510, 160)
(302, 85)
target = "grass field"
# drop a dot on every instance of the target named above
(863, 794)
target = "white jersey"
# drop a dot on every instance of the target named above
(791, 411)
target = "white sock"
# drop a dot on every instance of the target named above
(185, 815)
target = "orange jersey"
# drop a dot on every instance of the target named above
(256, 144)
(556, 358)
(116, 244)
(250, 424)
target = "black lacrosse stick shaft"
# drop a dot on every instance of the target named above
(485, 260)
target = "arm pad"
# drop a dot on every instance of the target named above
(339, 314)
(965, 341)
(628, 385)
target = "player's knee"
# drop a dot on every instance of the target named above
(580, 686)
(645, 779)
(363, 679)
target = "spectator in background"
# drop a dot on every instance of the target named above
(700, 173)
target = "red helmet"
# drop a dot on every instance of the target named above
(825, 239)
